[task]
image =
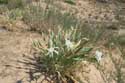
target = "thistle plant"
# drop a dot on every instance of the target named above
(62, 51)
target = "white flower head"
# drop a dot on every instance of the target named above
(51, 51)
(98, 55)
(69, 44)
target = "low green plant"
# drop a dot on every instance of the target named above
(62, 51)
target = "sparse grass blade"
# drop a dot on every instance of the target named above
(72, 2)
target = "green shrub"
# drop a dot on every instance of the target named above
(62, 51)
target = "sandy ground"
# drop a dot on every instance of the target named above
(13, 47)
